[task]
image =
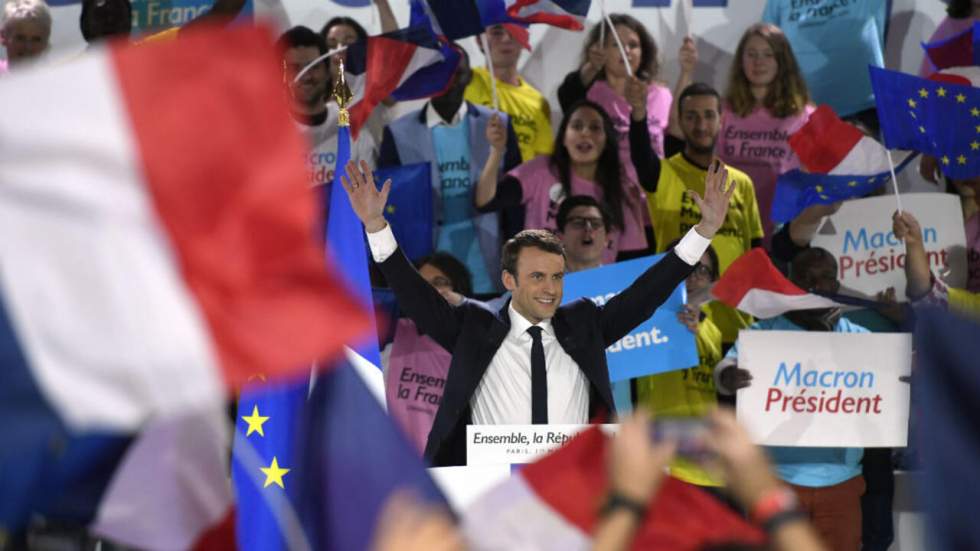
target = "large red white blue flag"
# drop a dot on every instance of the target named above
(159, 248)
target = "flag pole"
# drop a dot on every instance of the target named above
(891, 168)
(602, 23)
(493, 78)
(619, 43)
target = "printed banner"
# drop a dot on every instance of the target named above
(869, 256)
(150, 16)
(825, 389)
(657, 345)
(518, 444)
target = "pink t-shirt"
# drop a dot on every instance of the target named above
(947, 27)
(542, 194)
(972, 227)
(758, 144)
(658, 110)
(414, 381)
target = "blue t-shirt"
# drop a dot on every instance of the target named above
(456, 233)
(813, 467)
(834, 42)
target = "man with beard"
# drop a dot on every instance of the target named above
(451, 135)
(669, 183)
(826, 481)
(312, 109)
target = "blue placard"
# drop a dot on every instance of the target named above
(657, 345)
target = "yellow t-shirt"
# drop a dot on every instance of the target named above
(528, 110)
(687, 393)
(673, 213)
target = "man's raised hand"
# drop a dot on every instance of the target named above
(368, 203)
(717, 195)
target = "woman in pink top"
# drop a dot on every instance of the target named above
(585, 162)
(602, 78)
(766, 101)
(960, 16)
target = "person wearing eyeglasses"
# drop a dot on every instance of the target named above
(585, 231)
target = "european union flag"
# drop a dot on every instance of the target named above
(797, 190)
(264, 470)
(409, 209)
(936, 118)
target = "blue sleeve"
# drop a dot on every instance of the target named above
(770, 14)
(847, 326)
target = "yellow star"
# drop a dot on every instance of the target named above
(912, 102)
(255, 421)
(978, 129)
(923, 93)
(824, 197)
(273, 474)
(819, 189)
(941, 92)
(960, 98)
(922, 129)
(975, 146)
(871, 180)
(852, 183)
(961, 160)
(390, 209)
(912, 114)
(975, 112)
(945, 160)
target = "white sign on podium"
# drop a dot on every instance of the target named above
(517, 444)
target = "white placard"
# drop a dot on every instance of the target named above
(869, 257)
(517, 444)
(825, 389)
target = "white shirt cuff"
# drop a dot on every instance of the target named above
(383, 244)
(692, 247)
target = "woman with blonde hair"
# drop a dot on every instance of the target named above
(766, 101)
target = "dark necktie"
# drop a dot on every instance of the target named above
(539, 379)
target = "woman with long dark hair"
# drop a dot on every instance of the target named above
(766, 101)
(586, 161)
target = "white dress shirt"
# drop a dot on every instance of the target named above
(504, 394)
(434, 119)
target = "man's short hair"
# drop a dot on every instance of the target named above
(539, 239)
(575, 201)
(301, 37)
(698, 89)
(26, 10)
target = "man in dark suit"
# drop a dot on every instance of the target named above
(532, 361)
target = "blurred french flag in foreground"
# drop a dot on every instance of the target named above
(158, 246)
(554, 502)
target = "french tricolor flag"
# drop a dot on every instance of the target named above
(567, 14)
(959, 50)
(554, 503)
(828, 145)
(406, 64)
(753, 285)
(157, 250)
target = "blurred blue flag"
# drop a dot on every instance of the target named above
(276, 423)
(357, 458)
(409, 209)
(947, 384)
(797, 190)
(936, 118)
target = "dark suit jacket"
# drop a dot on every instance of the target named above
(472, 332)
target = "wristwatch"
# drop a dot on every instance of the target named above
(615, 500)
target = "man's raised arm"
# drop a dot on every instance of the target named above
(641, 299)
(433, 315)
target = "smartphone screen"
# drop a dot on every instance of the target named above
(690, 433)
